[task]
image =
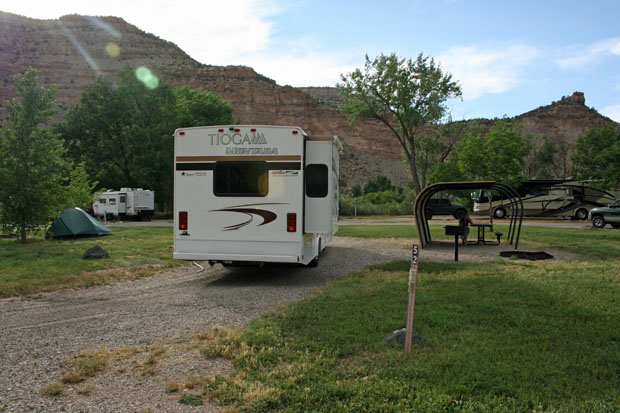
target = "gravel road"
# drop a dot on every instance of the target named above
(39, 336)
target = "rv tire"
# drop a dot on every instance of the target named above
(581, 214)
(315, 261)
(499, 213)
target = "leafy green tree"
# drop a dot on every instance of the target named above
(405, 95)
(79, 191)
(31, 162)
(597, 156)
(447, 171)
(123, 132)
(499, 155)
(199, 108)
(541, 161)
(119, 131)
(379, 184)
(356, 190)
(385, 197)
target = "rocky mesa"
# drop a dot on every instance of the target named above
(74, 50)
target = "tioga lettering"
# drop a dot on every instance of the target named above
(236, 138)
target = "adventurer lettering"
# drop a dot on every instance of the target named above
(251, 151)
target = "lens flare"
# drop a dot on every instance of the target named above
(147, 77)
(112, 50)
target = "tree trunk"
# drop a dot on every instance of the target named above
(414, 175)
(22, 233)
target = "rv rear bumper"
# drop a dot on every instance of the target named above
(192, 256)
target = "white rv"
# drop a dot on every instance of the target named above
(254, 194)
(134, 203)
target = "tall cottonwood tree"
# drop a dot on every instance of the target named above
(123, 130)
(405, 95)
(497, 155)
(597, 156)
(31, 164)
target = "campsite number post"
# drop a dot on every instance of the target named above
(413, 282)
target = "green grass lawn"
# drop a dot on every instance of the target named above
(603, 243)
(44, 265)
(504, 336)
(508, 335)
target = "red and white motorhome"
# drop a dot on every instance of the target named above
(254, 194)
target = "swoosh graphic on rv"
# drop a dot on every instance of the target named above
(267, 216)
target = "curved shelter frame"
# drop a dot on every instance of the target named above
(516, 206)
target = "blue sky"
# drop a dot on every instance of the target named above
(508, 56)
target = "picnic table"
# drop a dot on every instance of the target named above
(482, 227)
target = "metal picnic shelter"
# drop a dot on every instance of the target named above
(513, 199)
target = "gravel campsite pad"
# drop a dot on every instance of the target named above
(143, 329)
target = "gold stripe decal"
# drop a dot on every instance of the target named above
(238, 158)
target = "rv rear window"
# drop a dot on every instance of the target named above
(241, 179)
(316, 181)
(102, 201)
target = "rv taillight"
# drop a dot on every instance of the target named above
(291, 222)
(252, 130)
(237, 130)
(295, 132)
(181, 133)
(183, 220)
(220, 130)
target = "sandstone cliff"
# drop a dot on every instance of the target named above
(73, 51)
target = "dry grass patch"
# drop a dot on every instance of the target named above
(52, 390)
(171, 357)
(173, 387)
(193, 381)
(85, 366)
(85, 389)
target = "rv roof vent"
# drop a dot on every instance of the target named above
(126, 189)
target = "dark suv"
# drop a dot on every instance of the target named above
(443, 206)
(610, 214)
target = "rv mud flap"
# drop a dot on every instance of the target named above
(235, 258)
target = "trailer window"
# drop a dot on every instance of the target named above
(122, 201)
(241, 179)
(102, 201)
(316, 181)
(112, 201)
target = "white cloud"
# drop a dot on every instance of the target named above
(301, 62)
(591, 54)
(307, 68)
(212, 32)
(487, 71)
(231, 32)
(612, 112)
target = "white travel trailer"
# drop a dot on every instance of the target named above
(134, 203)
(254, 194)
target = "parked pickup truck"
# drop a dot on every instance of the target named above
(443, 206)
(603, 215)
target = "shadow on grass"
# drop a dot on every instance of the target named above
(504, 335)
